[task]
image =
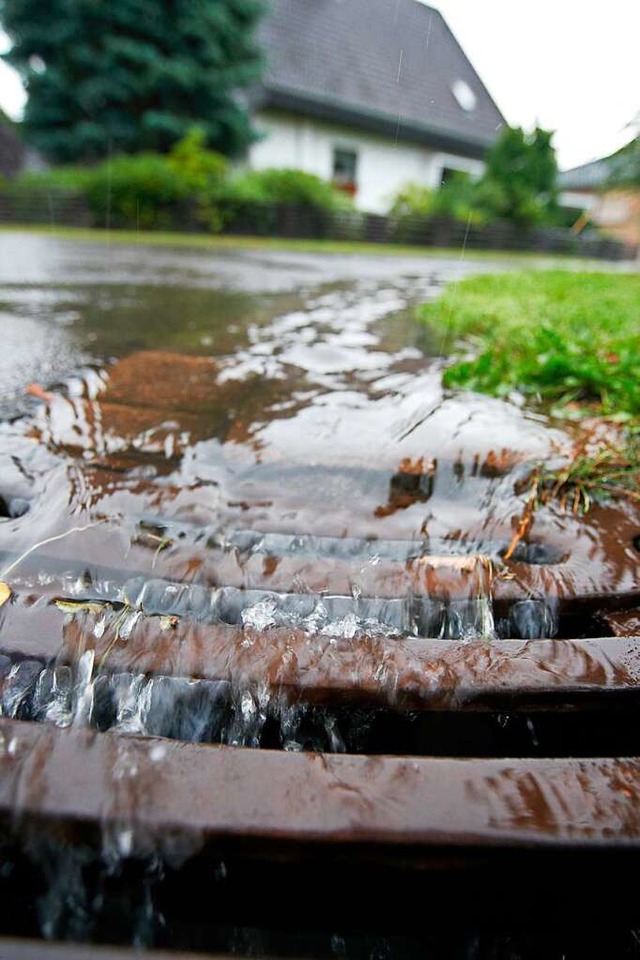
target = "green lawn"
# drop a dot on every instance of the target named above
(569, 340)
(342, 247)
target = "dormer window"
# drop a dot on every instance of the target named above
(464, 95)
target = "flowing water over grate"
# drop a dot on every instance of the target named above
(265, 632)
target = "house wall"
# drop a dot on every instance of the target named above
(383, 166)
(616, 212)
(578, 199)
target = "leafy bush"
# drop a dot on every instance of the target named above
(287, 186)
(143, 190)
(251, 199)
(202, 170)
(204, 175)
(465, 199)
(191, 183)
(147, 190)
(522, 166)
(460, 198)
(47, 195)
(71, 179)
(519, 185)
(413, 200)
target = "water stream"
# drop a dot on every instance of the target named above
(256, 443)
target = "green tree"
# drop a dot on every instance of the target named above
(520, 176)
(132, 75)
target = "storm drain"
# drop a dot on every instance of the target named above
(167, 745)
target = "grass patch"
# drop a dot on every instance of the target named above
(569, 340)
(602, 466)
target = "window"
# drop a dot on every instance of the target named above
(447, 175)
(450, 174)
(464, 95)
(345, 163)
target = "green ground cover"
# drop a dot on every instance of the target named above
(570, 343)
(568, 339)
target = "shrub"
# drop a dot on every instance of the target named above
(288, 186)
(460, 198)
(412, 200)
(249, 201)
(147, 190)
(204, 176)
(191, 183)
(519, 185)
(48, 195)
(202, 170)
(68, 179)
(522, 166)
(142, 190)
(464, 199)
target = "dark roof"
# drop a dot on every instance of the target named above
(12, 151)
(589, 176)
(593, 175)
(385, 65)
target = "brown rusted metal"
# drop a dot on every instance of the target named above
(364, 670)
(205, 794)
(623, 623)
(14, 949)
(378, 671)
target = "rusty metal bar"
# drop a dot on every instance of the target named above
(409, 674)
(211, 793)
(18, 949)
(428, 674)
(436, 577)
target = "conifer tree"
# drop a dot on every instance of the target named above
(124, 76)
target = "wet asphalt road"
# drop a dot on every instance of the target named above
(65, 303)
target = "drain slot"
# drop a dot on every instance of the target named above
(203, 711)
(409, 616)
(11, 507)
(361, 549)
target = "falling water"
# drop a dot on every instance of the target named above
(269, 460)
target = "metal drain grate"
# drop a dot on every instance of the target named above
(393, 741)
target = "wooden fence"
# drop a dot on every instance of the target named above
(65, 208)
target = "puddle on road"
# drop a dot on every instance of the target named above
(198, 413)
(306, 412)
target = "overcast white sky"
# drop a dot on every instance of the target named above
(571, 65)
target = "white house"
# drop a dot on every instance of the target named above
(370, 94)
(616, 210)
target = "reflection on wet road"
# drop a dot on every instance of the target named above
(235, 505)
(199, 398)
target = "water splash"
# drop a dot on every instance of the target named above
(202, 711)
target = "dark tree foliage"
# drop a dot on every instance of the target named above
(110, 76)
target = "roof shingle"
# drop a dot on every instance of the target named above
(381, 64)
